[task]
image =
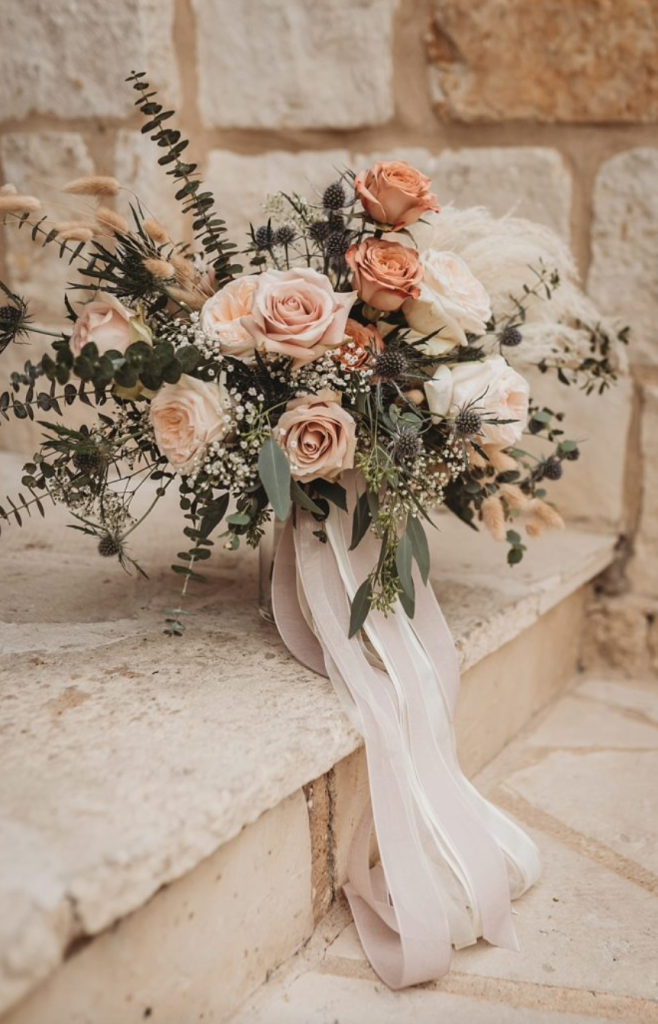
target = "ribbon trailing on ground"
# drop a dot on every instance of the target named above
(450, 861)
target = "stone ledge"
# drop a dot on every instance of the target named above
(146, 755)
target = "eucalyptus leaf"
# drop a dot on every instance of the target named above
(419, 546)
(274, 471)
(361, 520)
(403, 557)
(360, 607)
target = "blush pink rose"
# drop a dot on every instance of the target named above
(385, 274)
(297, 313)
(362, 343)
(186, 417)
(109, 324)
(395, 194)
(222, 314)
(318, 436)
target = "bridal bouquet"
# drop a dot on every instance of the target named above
(367, 367)
(343, 345)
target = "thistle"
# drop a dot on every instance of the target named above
(15, 319)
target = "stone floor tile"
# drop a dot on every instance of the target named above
(317, 998)
(609, 796)
(579, 722)
(641, 698)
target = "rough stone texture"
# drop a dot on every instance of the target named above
(246, 907)
(593, 489)
(509, 60)
(69, 58)
(644, 566)
(242, 183)
(41, 163)
(202, 736)
(622, 276)
(586, 930)
(295, 63)
(136, 166)
(619, 634)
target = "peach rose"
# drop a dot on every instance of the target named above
(318, 436)
(385, 273)
(221, 316)
(297, 313)
(186, 417)
(109, 324)
(451, 300)
(395, 194)
(363, 341)
(491, 387)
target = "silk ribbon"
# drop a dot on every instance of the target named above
(450, 861)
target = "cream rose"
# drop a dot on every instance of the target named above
(395, 194)
(318, 436)
(109, 324)
(491, 387)
(451, 299)
(221, 316)
(385, 274)
(186, 417)
(297, 313)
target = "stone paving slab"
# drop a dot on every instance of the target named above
(587, 930)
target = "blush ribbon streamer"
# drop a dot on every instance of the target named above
(451, 862)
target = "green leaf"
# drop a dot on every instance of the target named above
(301, 498)
(360, 607)
(513, 537)
(274, 471)
(332, 492)
(238, 519)
(515, 555)
(419, 546)
(403, 564)
(361, 520)
(408, 603)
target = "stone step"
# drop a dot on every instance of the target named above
(186, 815)
(581, 780)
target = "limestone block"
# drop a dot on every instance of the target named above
(618, 634)
(555, 61)
(136, 166)
(622, 276)
(643, 570)
(242, 183)
(593, 488)
(201, 945)
(40, 163)
(70, 57)
(295, 63)
(528, 181)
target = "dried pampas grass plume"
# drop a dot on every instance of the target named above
(155, 231)
(493, 516)
(93, 185)
(534, 527)
(110, 219)
(74, 233)
(185, 268)
(546, 514)
(13, 203)
(8, 190)
(501, 462)
(514, 496)
(160, 268)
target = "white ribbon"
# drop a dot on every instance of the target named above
(450, 860)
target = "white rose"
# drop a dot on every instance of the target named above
(186, 417)
(221, 316)
(109, 324)
(451, 298)
(491, 387)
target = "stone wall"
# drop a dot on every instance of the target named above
(545, 107)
